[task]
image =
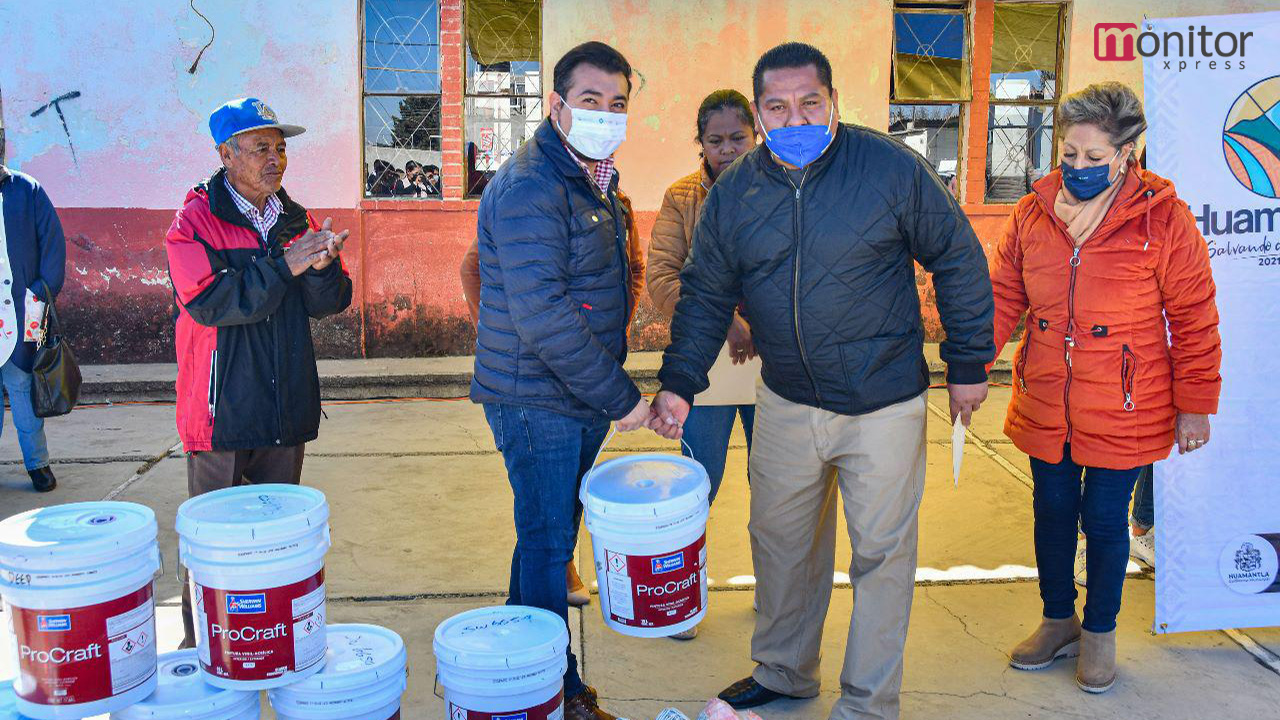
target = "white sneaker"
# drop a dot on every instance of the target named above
(1080, 555)
(1143, 548)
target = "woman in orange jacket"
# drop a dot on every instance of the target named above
(1119, 360)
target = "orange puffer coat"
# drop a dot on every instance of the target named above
(1096, 367)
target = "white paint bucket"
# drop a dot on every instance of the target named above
(504, 661)
(182, 694)
(647, 515)
(77, 587)
(255, 554)
(364, 678)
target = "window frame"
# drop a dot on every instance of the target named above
(467, 94)
(1052, 104)
(961, 9)
(361, 28)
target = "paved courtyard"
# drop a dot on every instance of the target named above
(421, 531)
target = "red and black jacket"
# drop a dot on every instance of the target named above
(246, 365)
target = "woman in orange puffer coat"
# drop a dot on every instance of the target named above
(1118, 362)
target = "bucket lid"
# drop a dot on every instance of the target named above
(508, 636)
(75, 531)
(252, 514)
(646, 486)
(358, 656)
(181, 692)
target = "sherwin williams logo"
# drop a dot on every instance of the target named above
(668, 563)
(1251, 138)
(251, 604)
(513, 716)
(53, 623)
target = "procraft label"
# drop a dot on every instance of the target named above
(656, 591)
(552, 709)
(262, 634)
(80, 655)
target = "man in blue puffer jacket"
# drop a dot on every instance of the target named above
(555, 300)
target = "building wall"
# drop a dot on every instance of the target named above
(140, 137)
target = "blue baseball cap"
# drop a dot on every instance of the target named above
(243, 115)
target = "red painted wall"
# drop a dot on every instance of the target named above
(403, 259)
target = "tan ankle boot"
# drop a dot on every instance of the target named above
(1096, 668)
(1052, 640)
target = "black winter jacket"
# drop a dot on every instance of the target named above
(825, 267)
(555, 295)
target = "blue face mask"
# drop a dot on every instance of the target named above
(800, 145)
(1087, 183)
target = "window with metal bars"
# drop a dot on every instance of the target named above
(400, 78)
(930, 87)
(1026, 64)
(503, 99)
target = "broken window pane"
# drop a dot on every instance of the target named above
(931, 58)
(504, 84)
(1024, 51)
(1019, 149)
(401, 145)
(934, 132)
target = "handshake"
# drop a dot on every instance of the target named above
(665, 416)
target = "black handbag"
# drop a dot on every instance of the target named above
(55, 382)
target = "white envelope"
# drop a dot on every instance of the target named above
(957, 449)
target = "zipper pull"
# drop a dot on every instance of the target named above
(1075, 258)
(797, 193)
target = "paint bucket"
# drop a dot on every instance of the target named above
(77, 586)
(8, 702)
(647, 515)
(364, 677)
(255, 554)
(504, 661)
(182, 694)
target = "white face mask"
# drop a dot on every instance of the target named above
(595, 133)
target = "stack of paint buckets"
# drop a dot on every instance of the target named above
(77, 582)
(647, 515)
(77, 586)
(255, 555)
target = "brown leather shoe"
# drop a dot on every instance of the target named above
(1052, 640)
(583, 707)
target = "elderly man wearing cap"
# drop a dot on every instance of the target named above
(250, 268)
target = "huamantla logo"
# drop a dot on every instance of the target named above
(1194, 49)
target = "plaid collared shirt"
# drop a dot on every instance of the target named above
(262, 221)
(603, 174)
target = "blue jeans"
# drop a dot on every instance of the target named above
(1144, 499)
(35, 448)
(546, 455)
(707, 431)
(1101, 510)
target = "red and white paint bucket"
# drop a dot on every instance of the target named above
(364, 678)
(647, 515)
(77, 586)
(503, 662)
(182, 694)
(255, 555)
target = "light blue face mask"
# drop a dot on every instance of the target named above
(800, 145)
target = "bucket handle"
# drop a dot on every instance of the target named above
(613, 431)
(435, 689)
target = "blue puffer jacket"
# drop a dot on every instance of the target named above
(554, 296)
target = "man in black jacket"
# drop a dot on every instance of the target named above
(818, 231)
(555, 300)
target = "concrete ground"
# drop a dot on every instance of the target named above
(421, 529)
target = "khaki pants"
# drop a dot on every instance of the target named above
(219, 469)
(799, 456)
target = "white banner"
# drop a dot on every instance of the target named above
(1215, 132)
